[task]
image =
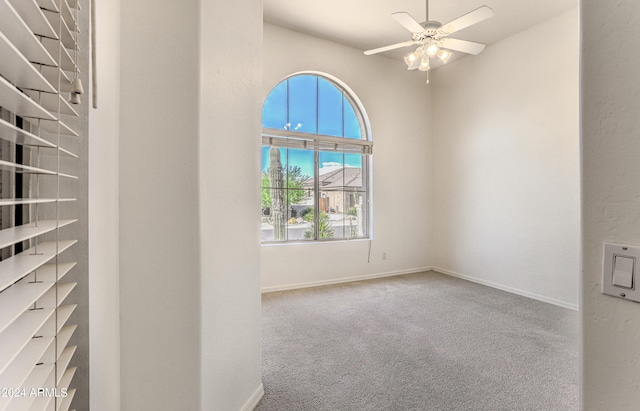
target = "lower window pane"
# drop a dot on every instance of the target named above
(299, 205)
(357, 213)
(344, 212)
(289, 197)
(274, 217)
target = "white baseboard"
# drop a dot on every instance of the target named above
(310, 284)
(253, 401)
(512, 290)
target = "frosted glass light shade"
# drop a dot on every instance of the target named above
(410, 58)
(432, 49)
(424, 64)
(444, 55)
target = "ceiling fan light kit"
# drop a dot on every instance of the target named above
(411, 58)
(424, 64)
(432, 49)
(444, 55)
(431, 38)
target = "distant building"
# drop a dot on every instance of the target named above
(339, 188)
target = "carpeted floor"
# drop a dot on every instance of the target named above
(416, 342)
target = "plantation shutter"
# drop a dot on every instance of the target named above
(38, 61)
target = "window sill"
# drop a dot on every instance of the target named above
(289, 243)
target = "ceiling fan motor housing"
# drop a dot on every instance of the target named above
(430, 31)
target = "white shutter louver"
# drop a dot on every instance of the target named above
(38, 52)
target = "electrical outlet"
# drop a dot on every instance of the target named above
(384, 255)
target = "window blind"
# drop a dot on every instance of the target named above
(308, 141)
(38, 60)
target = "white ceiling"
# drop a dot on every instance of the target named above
(367, 24)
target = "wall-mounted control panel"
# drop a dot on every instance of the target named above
(620, 271)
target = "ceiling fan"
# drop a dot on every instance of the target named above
(432, 38)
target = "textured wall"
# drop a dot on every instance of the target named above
(506, 164)
(610, 198)
(229, 175)
(189, 172)
(159, 253)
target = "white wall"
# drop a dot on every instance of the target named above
(610, 185)
(159, 244)
(229, 175)
(398, 105)
(189, 275)
(506, 164)
(104, 288)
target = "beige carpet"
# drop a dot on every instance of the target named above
(417, 342)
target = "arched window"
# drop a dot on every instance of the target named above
(316, 151)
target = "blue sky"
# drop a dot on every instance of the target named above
(304, 159)
(314, 105)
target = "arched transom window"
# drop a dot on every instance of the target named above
(316, 151)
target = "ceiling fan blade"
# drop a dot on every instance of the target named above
(408, 22)
(464, 46)
(391, 47)
(469, 19)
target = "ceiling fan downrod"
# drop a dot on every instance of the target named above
(426, 8)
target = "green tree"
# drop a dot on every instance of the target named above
(295, 181)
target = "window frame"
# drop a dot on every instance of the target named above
(362, 146)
